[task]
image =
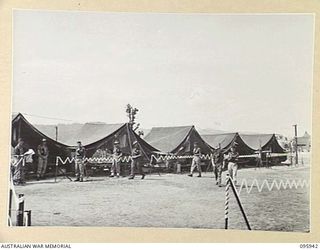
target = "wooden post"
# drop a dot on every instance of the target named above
(56, 127)
(20, 211)
(28, 222)
(56, 173)
(226, 207)
(291, 155)
(296, 142)
(10, 205)
(56, 170)
(178, 168)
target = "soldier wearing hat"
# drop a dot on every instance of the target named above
(196, 160)
(233, 156)
(217, 162)
(79, 162)
(43, 154)
(136, 164)
(259, 162)
(116, 154)
(19, 168)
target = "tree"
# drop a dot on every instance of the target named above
(132, 113)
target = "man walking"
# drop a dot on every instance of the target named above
(116, 154)
(233, 163)
(217, 162)
(136, 161)
(196, 160)
(43, 154)
(79, 162)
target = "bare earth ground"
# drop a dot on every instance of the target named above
(170, 201)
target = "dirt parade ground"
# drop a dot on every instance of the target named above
(172, 201)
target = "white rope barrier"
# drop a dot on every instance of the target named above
(128, 159)
(274, 185)
(109, 159)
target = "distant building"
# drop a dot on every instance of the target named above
(304, 142)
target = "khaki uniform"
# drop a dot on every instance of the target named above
(136, 166)
(115, 168)
(43, 154)
(218, 166)
(233, 165)
(79, 162)
(196, 160)
(259, 163)
(19, 169)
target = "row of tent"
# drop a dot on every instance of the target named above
(93, 136)
(171, 139)
(160, 140)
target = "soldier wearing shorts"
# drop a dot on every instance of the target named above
(19, 168)
(136, 164)
(259, 163)
(116, 154)
(43, 154)
(196, 160)
(79, 162)
(217, 162)
(233, 163)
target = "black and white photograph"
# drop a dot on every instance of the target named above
(161, 120)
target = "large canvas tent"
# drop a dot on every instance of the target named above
(172, 139)
(226, 140)
(248, 145)
(126, 136)
(262, 141)
(87, 133)
(94, 136)
(32, 137)
(266, 143)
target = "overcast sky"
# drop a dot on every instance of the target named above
(228, 72)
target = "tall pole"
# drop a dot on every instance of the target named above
(10, 204)
(296, 141)
(56, 133)
(20, 211)
(28, 219)
(226, 205)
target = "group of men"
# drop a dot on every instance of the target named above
(19, 161)
(135, 167)
(220, 160)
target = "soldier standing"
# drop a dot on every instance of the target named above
(259, 163)
(43, 154)
(179, 160)
(218, 159)
(233, 163)
(79, 162)
(19, 150)
(136, 161)
(116, 154)
(196, 160)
